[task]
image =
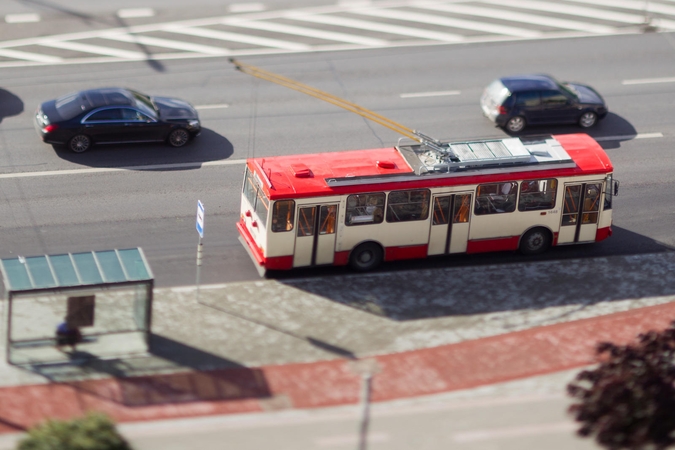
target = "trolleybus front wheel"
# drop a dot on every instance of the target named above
(535, 241)
(366, 256)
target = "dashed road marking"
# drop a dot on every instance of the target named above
(429, 94)
(130, 13)
(22, 18)
(649, 81)
(216, 106)
(514, 432)
(246, 7)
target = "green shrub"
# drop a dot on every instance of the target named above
(95, 431)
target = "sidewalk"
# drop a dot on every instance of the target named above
(270, 345)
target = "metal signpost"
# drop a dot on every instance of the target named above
(200, 230)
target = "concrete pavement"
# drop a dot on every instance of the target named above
(304, 343)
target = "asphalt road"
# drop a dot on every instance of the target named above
(90, 208)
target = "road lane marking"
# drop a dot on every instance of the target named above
(306, 32)
(592, 13)
(429, 94)
(22, 18)
(628, 137)
(236, 37)
(130, 13)
(36, 57)
(190, 165)
(531, 19)
(514, 432)
(649, 80)
(167, 43)
(218, 106)
(96, 49)
(375, 26)
(449, 22)
(636, 5)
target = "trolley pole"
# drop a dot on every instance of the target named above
(200, 230)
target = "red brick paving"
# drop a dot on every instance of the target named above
(521, 354)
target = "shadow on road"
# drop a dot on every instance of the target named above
(208, 146)
(625, 266)
(10, 104)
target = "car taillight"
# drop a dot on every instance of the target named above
(49, 128)
(502, 110)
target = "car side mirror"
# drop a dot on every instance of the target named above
(616, 187)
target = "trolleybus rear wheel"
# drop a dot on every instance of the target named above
(366, 257)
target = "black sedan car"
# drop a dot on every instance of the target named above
(115, 115)
(518, 101)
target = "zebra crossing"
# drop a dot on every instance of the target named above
(345, 26)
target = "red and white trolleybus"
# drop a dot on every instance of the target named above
(362, 207)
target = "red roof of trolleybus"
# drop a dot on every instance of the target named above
(297, 176)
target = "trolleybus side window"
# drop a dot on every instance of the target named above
(496, 198)
(306, 221)
(441, 214)
(536, 195)
(404, 206)
(283, 215)
(364, 209)
(327, 218)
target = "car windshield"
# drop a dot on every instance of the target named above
(145, 104)
(567, 89)
(70, 105)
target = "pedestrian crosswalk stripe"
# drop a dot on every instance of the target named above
(636, 5)
(167, 43)
(236, 37)
(307, 32)
(22, 18)
(96, 49)
(18, 54)
(449, 22)
(512, 16)
(376, 26)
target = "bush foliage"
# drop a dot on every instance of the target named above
(628, 401)
(95, 431)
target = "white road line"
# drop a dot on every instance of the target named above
(520, 17)
(192, 165)
(429, 94)
(158, 42)
(649, 80)
(306, 32)
(18, 54)
(375, 26)
(222, 105)
(636, 5)
(96, 49)
(130, 13)
(246, 7)
(236, 37)
(22, 18)
(571, 10)
(448, 22)
(514, 432)
(627, 137)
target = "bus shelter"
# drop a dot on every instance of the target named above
(105, 295)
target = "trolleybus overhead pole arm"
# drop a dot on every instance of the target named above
(337, 101)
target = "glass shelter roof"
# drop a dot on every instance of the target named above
(74, 269)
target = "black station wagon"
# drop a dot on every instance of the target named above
(519, 101)
(114, 115)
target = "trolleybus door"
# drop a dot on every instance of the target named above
(581, 208)
(315, 235)
(449, 224)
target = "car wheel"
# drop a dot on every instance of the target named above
(366, 257)
(515, 124)
(79, 143)
(535, 241)
(588, 119)
(178, 137)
